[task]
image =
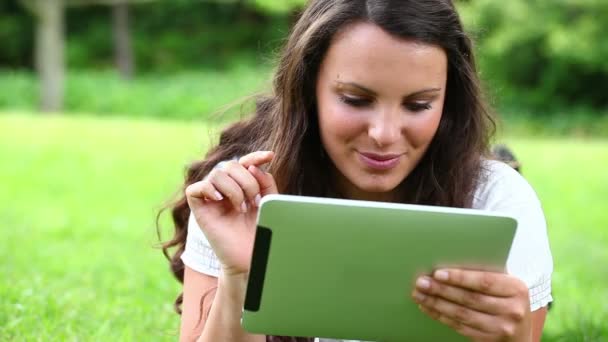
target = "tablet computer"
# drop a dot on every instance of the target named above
(345, 269)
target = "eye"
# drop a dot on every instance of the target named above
(418, 106)
(355, 101)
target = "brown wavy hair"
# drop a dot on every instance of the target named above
(286, 120)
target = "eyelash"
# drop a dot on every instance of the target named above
(354, 101)
(419, 106)
(361, 102)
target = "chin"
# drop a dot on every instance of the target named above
(377, 185)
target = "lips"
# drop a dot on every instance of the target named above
(380, 161)
(380, 157)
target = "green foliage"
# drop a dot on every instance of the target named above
(167, 35)
(541, 57)
(179, 35)
(80, 195)
(16, 35)
(544, 53)
(173, 37)
(279, 6)
(580, 122)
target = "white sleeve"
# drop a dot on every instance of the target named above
(198, 254)
(507, 192)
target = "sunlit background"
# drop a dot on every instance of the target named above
(104, 102)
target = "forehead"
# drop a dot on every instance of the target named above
(364, 52)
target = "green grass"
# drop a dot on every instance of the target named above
(570, 177)
(79, 195)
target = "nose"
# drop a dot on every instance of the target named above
(385, 127)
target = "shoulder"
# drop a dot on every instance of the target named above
(500, 185)
(502, 189)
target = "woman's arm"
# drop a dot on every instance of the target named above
(224, 208)
(223, 321)
(538, 323)
(196, 285)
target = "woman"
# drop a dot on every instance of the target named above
(373, 100)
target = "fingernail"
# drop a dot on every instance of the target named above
(218, 196)
(423, 283)
(419, 296)
(441, 275)
(258, 199)
(244, 207)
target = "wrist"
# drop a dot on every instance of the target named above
(233, 283)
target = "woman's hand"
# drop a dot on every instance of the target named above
(484, 306)
(225, 206)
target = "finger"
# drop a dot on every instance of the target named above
(229, 189)
(247, 182)
(465, 297)
(203, 190)
(461, 314)
(490, 283)
(459, 327)
(257, 158)
(265, 180)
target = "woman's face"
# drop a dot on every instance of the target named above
(380, 100)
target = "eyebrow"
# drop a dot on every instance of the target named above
(373, 93)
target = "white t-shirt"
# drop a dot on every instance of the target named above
(502, 190)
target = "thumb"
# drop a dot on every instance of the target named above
(265, 180)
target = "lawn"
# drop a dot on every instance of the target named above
(79, 196)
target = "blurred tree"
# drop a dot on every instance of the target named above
(50, 44)
(49, 51)
(561, 63)
(123, 49)
(50, 38)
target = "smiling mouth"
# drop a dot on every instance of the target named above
(380, 161)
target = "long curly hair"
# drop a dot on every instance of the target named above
(286, 120)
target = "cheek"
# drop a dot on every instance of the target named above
(422, 129)
(338, 123)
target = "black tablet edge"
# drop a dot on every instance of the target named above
(257, 273)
